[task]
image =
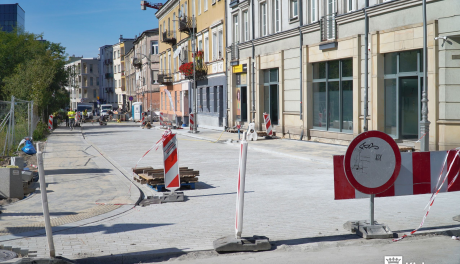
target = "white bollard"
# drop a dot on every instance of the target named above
(46, 212)
(240, 187)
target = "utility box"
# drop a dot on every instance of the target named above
(137, 111)
(11, 183)
(18, 161)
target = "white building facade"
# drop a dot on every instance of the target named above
(83, 81)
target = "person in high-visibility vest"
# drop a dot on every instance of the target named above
(71, 115)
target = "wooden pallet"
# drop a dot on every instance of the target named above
(151, 176)
(162, 188)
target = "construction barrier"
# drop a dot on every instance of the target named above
(192, 121)
(268, 124)
(240, 187)
(171, 165)
(143, 118)
(50, 122)
(419, 174)
(161, 119)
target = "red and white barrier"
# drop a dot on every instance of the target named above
(268, 124)
(50, 122)
(172, 177)
(419, 174)
(161, 119)
(192, 121)
(77, 117)
(240, 187)
(143, 118)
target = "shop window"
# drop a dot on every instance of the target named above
(333, 95)
(271, 101)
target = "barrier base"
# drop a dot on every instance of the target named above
(364, 229)
(172, 197)
(456, 218)
(232, 244)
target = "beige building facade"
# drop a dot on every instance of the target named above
(327, 103)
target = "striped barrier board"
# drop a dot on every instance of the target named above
(172, 177)
(192, 121)
(143, 118)
(50, 122)
(419, 174)
(268, 124)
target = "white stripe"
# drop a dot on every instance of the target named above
(359, 195)
(404, 184)
(437, 159)
(171, 174)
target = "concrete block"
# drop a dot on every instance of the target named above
(11, 183)
(364, 229)
(18, 161)
(232, 244)
(172, 197)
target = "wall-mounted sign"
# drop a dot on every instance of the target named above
(240, 68)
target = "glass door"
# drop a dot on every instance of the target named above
(409, 104)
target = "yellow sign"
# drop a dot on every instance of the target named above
(97, 97)
(238, 68)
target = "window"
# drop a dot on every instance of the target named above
(199, 7)
(263, 19)
(91, 81)
(205, 4)
(174, 26)
(185, 9)
(245, 26)
(331, 6)
(270, 94)
(200, 44)
(181, 10)
(214, 46)
(206, 49)
(175, 100)
(154, 76)
(350, 5)
(293, 9)
(314, 10)
(169, 62)
(94, 93)
(97, 80)
(236, 37)
(193, 7)
(180, 101)
(221, 43)
(276, 15)
(119, 68)
(91, 68)
(161, 101)
(333, 95)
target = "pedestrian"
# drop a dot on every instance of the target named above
(71, 115)
(67, 118)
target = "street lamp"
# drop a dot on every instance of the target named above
(194, 88)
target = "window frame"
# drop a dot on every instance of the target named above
(245, 15)
(236, 37)
(263, 19)
(276, 16)
(293, 6)
(313, 11)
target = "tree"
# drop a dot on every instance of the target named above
(33, 70)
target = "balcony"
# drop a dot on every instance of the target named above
(165, 78)
(108, 61)
(137, 62)
(187, 24)
(108, 75)
(108, 90)
(201, 70)
(328, 28)
(234, 3)
(169, 37)
(122, 73)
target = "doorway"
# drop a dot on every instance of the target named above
(271, 94)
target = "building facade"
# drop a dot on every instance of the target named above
(11, 16)
(145, 63)
(83, 80)
(119, 51)
(303, 62)
(203, 20)
(106, 83)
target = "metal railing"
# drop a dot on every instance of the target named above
(187, 24)
(235, 52)
(169, 36)
(328, 27)
(165, 78)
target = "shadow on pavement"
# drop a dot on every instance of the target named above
(202, 186)
(36, 214)
(307, 240)
(76, 171)
(117, 228)
(204, 195)
(157, 255)
(427, 228)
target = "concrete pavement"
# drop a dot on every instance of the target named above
(289, 199)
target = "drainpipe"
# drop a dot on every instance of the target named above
(366, 66)
(253, 67)
(225, 102)
(300, 57)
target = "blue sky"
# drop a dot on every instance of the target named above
(82, 26)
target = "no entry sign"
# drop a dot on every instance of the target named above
(372, 162)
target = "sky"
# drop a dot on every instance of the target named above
(82, 26)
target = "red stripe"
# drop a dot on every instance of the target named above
(389, 192)
(269, 124)
(167, 139)
(170, 161)
(174, 183)
(453, 159)
(342, 188)
(421, 171)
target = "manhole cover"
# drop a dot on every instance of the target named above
(7, 255)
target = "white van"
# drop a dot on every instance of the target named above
(104, 108)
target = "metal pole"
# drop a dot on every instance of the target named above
(240, 187)
(366, 67)
(372, 209)
(425, 124)
(195, 118)
(28, 118)
(46, 212)
(12, 122)
(32, 116)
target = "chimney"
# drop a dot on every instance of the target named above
(121, 38)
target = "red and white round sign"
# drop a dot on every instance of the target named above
(372, 162)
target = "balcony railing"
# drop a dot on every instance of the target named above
(108, 61)
(187, 24)
(108, 75)
(165, 78)
(235, 52)
(137, 62)
(328, 28)
(169, 37)
(201, 71)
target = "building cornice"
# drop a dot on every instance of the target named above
(270, 38)
(217, 23)
(166, 8)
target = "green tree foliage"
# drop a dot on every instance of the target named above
(33, 70)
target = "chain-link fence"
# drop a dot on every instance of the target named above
(17, 121)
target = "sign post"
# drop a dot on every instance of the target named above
(372, 164)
